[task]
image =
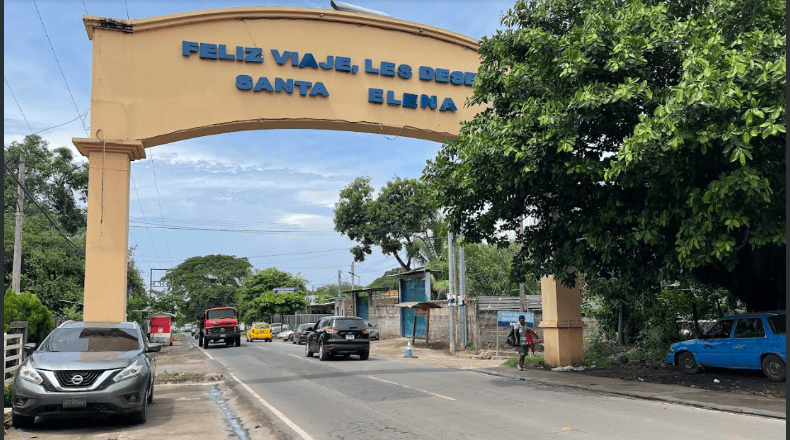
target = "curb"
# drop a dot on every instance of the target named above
(643, 396)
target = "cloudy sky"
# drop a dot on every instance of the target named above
(266, 195)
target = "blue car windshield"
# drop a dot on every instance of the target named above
(93, 339)
(778, 324)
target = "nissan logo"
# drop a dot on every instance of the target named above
(76, 379)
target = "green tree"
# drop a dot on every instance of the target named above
(262, 282)
(207, 281)
(386, 280)
(646, 137)
(27, 307)
(489, 273)
(268, 304)
(327, 292)
(392, 221)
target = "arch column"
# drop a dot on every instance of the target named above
(107, 238)
(562, 323)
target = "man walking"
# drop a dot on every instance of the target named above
(526, 338)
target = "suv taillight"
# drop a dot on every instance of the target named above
(364, 331)
(331, 330)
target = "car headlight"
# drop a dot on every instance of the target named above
(30, 374)
(132, 371)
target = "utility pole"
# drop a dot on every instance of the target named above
(339, 294)
(522, 299)
(462, 291)
(451, 292)
(17, 264)
(353, 295)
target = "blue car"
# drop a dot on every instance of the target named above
(749, 341)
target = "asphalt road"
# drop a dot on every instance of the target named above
(383, 399)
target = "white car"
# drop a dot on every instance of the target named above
(285, 335)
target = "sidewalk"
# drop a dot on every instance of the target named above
(713, 400)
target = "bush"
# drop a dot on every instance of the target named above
(27, 307)
(596, 352)
(470, 346)
(8, 393)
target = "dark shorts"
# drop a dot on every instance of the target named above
(523, 350)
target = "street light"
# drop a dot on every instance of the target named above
(345, 7)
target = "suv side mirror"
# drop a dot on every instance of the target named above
(309, 329)
(152, 347)
(29, 347)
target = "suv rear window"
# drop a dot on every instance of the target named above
(348, 324)
(778, 324)
(264, 326)
(93, 339)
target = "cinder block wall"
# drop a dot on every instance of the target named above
(481, 326)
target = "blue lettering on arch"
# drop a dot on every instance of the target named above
(188, 47)
(448, 104)
(319, 89)
(376, 95)
(280, 59)
(304, 86)
(308, 61)
(428, 101)
(410, 100)
(281, 85)
(243, 82)
(208, 51)
(263, 84)
(426, 73)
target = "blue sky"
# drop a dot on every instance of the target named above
(264, 195)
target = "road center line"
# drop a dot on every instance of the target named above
(298, 357)
(411, 388)
(262, 348)
(274, 410)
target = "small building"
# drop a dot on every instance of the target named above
(161, 325)
(414, 286)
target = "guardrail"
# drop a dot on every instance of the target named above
(16, 359)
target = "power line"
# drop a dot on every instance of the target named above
(127, 9)
(297, 253)
(60, 68)
(41, 209)
(141, 210)
(60, 125)
(240, 231)
(17, 104)
(156, 185)
(85, 6)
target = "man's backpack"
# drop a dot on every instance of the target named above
(511, 337)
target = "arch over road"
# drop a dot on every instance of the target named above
(169, 78)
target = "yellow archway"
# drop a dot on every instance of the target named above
(169, 78)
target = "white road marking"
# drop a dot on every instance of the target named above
(262, 348)
(298, 357)
(274, 410)
(415, 389)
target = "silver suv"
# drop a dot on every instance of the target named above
(86, 369)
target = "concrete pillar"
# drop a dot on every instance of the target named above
(562, 323)
(107, 240)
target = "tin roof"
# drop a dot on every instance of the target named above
(414, 273)
(420, 305)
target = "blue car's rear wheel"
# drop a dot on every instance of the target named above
(774, 368)
(687, 363)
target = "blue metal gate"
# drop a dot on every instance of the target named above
(412, 290)
(362, 307)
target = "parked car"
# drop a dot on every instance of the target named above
(332, 335)
(285, 335)
(748, 341)
(259, 330)
(86, 369)
(373, 330)
(299, 335)
(278, 327)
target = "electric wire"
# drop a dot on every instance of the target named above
(134, 184)
(60, 68)
(159, 200)
(60, 125)
(17, 103)
(42, 210)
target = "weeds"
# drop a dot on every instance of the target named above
(528, 360)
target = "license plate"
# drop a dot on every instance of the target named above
(349, 336)
(78, 402)
(222, 330)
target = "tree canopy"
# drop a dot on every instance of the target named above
(646, 138)
(208, 280)
(256, 297)
(400, 214)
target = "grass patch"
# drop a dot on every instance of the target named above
(512, 362)
(179, 337)
(178, 378)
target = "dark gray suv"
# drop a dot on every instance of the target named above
(86, 369)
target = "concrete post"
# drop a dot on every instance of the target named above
(16, 270)
(562, 323)
(107, 238)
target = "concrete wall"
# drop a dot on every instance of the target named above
(481, 326)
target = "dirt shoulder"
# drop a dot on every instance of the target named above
(744, 382)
